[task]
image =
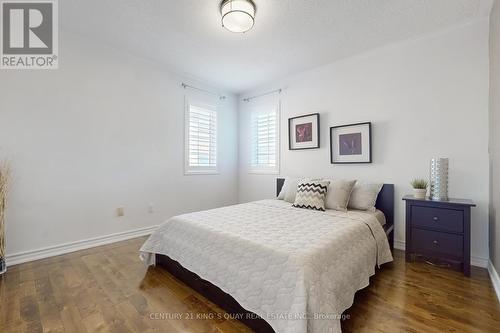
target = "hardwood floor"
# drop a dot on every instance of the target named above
(107, 289)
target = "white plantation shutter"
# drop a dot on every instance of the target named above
(265, 139)
(201, 138)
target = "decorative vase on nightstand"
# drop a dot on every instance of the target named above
(439, 179)
(4, 175)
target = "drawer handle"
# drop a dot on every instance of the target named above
(435, 218)
(435, 242)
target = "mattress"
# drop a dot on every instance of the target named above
(298, 269)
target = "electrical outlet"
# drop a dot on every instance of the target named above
(151, 208)
(120, 211)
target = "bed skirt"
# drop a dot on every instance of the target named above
(214, 294)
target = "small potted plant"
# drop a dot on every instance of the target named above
(419, 188)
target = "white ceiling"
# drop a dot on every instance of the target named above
(289, 35)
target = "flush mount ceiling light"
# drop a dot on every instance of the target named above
(237, 15)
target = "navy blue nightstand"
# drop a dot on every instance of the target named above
(439, 232)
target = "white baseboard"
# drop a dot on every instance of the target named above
(474, 261)
(50, 251)
(479, 262)
(399, 245)
(495, 279)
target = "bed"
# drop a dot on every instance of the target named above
(274, 267)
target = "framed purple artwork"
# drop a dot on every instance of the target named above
(351, 144)
(303, 132)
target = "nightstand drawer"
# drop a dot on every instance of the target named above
(437, 218)
(426, 241)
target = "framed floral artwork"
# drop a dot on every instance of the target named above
(351, 144)
(303, 132)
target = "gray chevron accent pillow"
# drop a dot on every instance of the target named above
(311, 194)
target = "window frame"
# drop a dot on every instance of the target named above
(266, 170)
(208, 104)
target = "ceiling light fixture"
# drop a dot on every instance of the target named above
(237, 15)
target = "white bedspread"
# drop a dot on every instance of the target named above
(288, 265)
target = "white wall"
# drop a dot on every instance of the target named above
(426, 97)
(105, 130)
(495, 135)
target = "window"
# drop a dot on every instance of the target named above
(265, 139)
(201, 138)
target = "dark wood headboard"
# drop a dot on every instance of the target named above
(385, 203)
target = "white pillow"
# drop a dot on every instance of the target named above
(364, 196)
(289, 189)
(339, 192)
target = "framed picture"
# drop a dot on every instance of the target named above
(303, 132)
(351, 143)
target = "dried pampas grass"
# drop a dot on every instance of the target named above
(4, 180)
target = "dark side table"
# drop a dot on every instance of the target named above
(439, 232)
